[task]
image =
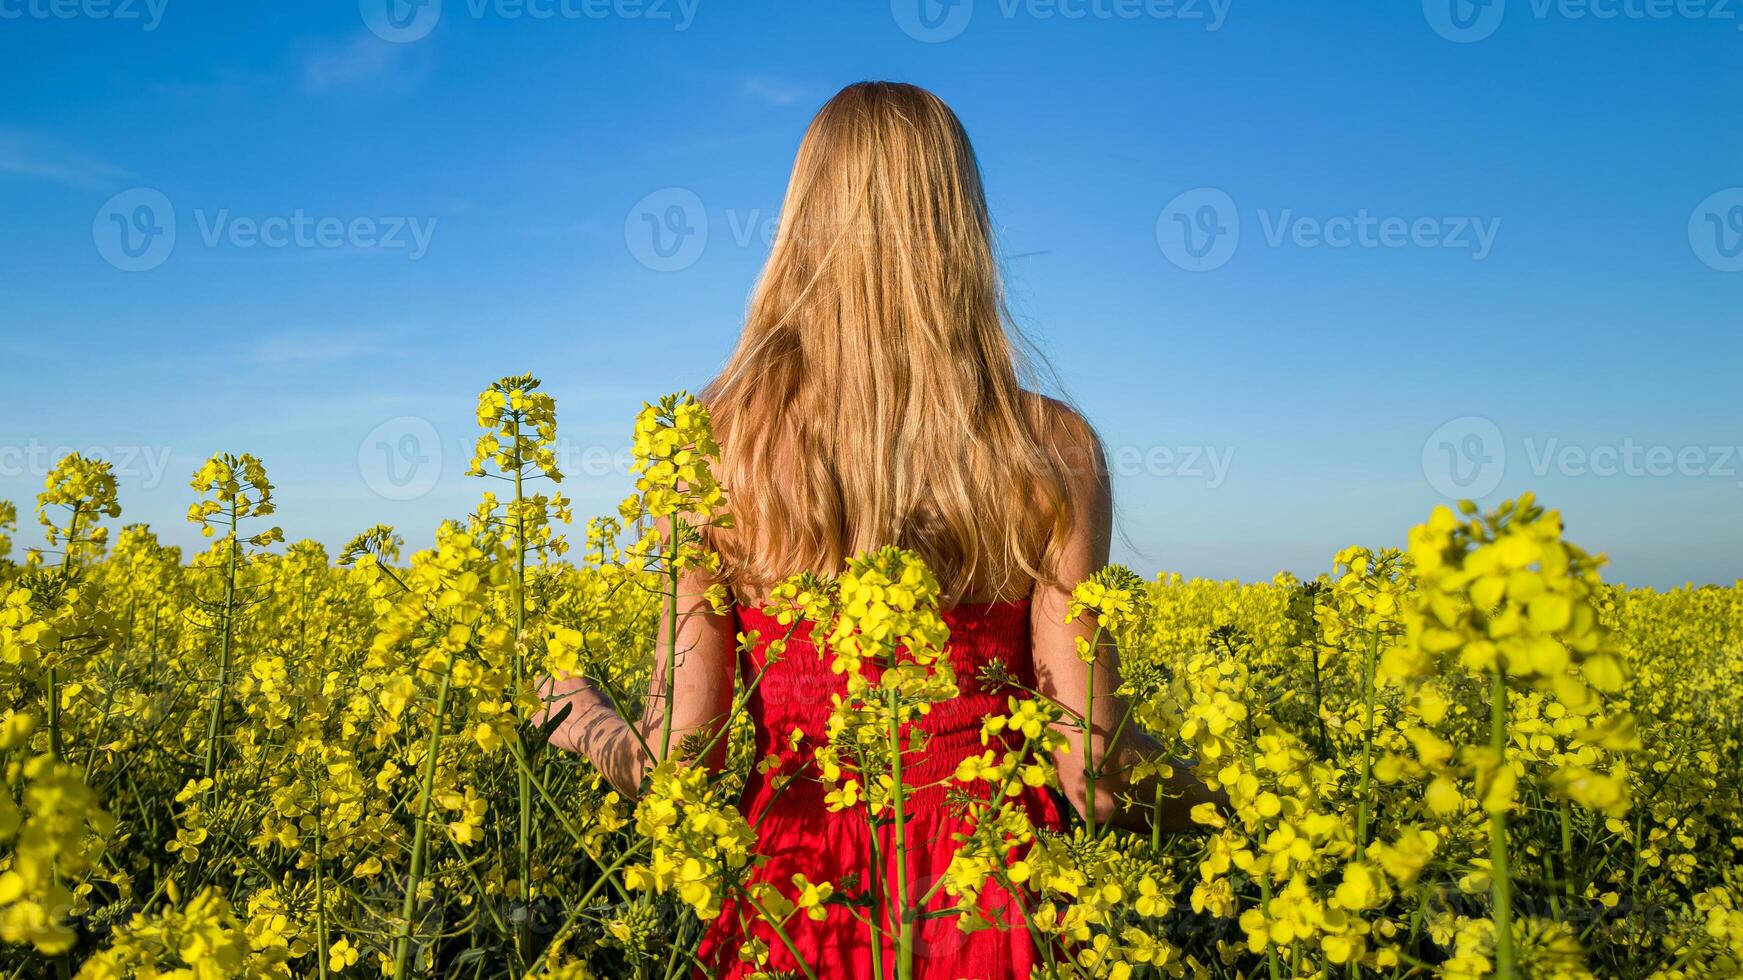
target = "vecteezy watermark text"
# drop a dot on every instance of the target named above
(1210, 464)
(136, 230)
(148, 14)
(936, 21)
(302, 230)
(35, 459)
(1469, 21)
(1199, 230)
(1467, 458)
(1364, 230)
(404, 21)
(1632, 459)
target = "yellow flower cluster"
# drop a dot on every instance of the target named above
(520, 443)
(673, 443)
(57, 835)
(675, 486)
(238, 489)
(699, 841)
(8, 524)
(202, 940)
(78, 493)
(882, 632)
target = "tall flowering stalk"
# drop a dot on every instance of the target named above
(79, 493)
(675, 486)
(699, 845)
(233, 489)
(66, 629)
(434, 633)
(520, 445)
(1504, 600)
(1362, 607)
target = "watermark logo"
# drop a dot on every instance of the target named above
(935, 21)
(1716, 230)
(1465, 458)
(400, 21)
(932, 21)
(405, 21)
(146, 13)
(667, 230)
(1633, 460)
(680, 14)
(35, 459)
(301, 230)
(135, 230)
(401, 459)
(1206, 464)
(1456, 233)
(1199, 229)
(1467, 21)
(1464, 21)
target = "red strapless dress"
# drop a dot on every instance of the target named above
(797, 834)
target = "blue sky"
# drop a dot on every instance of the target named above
(1433, 249)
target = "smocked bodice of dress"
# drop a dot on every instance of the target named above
(795, 692)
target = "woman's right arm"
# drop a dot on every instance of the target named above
(701, 688)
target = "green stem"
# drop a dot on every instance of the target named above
(904, 915)
(402, 954)
(1318, 700)
(875, 921)
(523, 936)
(1089, 767)
(1271, 961)
(671, 637)
(569, 927)
(1367, 736)
(1567, 853)
(1156, 820)
(1499, 874)
(51, 679)
(215, 718)
(781, 934)
(52, 696)
(320, 888)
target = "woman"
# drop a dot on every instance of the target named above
(873, 399)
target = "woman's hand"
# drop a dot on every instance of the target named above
(558, 708)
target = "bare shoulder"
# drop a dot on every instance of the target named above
(1067, 435)
(1083, 532)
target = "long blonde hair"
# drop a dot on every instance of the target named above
(874, 396)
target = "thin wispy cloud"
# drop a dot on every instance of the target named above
(362, 61)
(224, 83)
(300, 348)
(773, 91)
(27, 155)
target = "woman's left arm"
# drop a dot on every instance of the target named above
(1116, 746)
(699, 682)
